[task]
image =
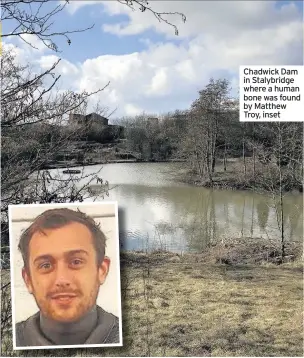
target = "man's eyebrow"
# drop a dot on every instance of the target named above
(75, 252)
(66, 254)
(43, 257)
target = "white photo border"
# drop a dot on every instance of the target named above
(12, 273)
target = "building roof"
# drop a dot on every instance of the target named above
(93, 114)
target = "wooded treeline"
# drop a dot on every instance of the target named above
(217, 148)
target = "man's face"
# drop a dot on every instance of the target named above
(62, 272)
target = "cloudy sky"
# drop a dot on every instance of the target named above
(150, 68)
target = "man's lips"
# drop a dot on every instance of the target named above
(63, 298)
(63, 295)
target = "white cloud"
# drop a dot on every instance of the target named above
(46, 62)
(23, 51)
(159, 83)
(221, 18)
(167, 75)
(186, 70)
(64, 67)
(69, 72)
(74, 6)
(17, 52)
(34, 41)
(217, 38)
(132, 110)
(124, 28)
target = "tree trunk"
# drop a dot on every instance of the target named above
(213, 164)
(243, 215)
(281, 195)
(282, 225)
(213, 153)
(209, 170)
(253, 153)
(209, 156)
(200, 172)
(225, 153)
(252, 218)
(244, 158)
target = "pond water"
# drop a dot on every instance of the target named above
(156, 211)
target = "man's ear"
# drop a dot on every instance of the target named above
(103, 270)
(27, 280)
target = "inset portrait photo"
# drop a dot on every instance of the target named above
(65, 275)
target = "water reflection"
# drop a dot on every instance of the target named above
(161, 213)
(262, 208)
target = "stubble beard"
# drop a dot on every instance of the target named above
(71, 314)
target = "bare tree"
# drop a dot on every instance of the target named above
(143, 136)
(193, 145)
(36, 18)
(34, 117)
(282, 167)
(208, 112)
(28, 98)
(33, 133)
(144, 5)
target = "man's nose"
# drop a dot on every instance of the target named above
(63, 278)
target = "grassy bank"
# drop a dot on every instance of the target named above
(259, 177)
(194, 305)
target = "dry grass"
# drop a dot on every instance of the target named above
(192, 309)
(180, 306)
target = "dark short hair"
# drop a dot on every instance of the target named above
(57, 218)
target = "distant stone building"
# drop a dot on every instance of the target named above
(96, 122)
(89, 119)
